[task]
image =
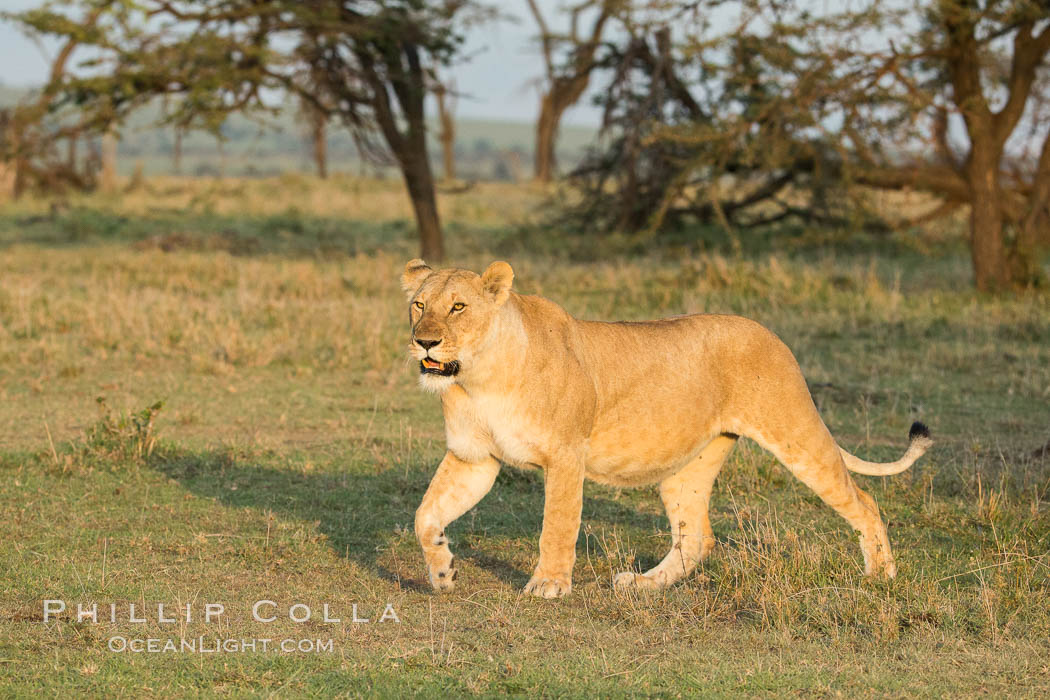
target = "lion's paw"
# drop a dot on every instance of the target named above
(885, 570)
(443, 578)
(549, 586)
(626, 580)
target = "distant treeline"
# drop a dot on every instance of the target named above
(485, 149)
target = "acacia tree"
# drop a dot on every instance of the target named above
(565, 82)
(31, 131)
(363, 62)
(978, 62)
(951, 98)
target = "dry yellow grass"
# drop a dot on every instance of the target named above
(343, 196)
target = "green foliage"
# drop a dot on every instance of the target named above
(220, 58)
(120, 438)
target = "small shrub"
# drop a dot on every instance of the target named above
(122, 437)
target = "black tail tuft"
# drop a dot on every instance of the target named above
(918, 430)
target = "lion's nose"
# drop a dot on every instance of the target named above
(426, 344)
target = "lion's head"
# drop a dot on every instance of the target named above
(451, 312)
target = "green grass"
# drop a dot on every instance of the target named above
(292, 448)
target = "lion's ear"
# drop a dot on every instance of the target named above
(496, 280)
(415, 272)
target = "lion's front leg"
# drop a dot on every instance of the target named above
(457, 487)
(562, 507)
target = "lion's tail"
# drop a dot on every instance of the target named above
(920, 442)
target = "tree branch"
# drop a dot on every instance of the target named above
(964, 67)
(1029, 52)
(546, 39)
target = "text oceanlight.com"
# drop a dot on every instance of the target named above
(212, 645)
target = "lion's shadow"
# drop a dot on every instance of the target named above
(360, 514)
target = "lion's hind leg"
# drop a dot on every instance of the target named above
(812, 455)
(686, 495)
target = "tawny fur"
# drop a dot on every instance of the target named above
(620, 403)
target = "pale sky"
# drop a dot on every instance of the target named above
(498, 82)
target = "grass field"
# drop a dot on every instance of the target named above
(292, 448)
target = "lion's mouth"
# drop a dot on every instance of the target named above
(442, 369)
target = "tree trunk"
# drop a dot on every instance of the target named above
(546, 137)
(408, 82)
(419, 181)
(448, 146)
(319, 133)
(108, 177)
(986, 239)
(563, 90)
(176, 153)
(448, 152)
(563, 93)
(987, 247)
(7, 180)
(9, 161)
(21, 176)
(447, 136)
(1035, 225)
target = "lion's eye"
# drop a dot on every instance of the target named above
(418, 305)
(459, 306)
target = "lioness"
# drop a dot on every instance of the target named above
(627, 404)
